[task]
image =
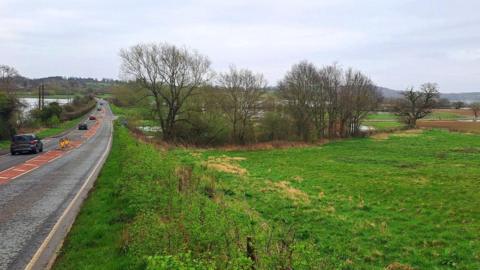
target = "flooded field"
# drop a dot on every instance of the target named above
(32, 103)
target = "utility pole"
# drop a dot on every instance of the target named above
(41, 96)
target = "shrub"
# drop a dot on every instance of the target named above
(8, 109)
(274, 126)
(53, 121)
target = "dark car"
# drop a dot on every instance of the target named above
(82, 126)
(99, 109)
(92, 117)
(22, 143)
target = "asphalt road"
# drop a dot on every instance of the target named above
(31, 204)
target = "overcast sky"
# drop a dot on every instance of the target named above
(397, 43)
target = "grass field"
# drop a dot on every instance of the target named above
(384, 125)
(135, 113)
(409, 199)
(381, 116)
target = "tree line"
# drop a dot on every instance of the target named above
(188, 97)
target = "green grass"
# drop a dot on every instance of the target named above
(130, 112)
(414, 200)
(384, 125)
(381, 116)
(383, 121)
(136, 216)
(95, 241)
(104, 95)
(352, 204)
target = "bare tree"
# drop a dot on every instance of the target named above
(417, 104)
(332, 77)
(332, 101)
(475, 106)
(170, 73)
(357, 97)
(7, 74)
(298, 88)
(243, 90)
(458, 105)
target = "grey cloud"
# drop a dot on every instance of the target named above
(398, 43)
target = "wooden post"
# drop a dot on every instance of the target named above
(251, 252)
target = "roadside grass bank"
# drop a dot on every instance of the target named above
(95, 239)
(156, 210)
(407, 200)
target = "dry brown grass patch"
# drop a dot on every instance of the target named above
(272, 145)
(289, 192)
(298, 178)
(460, 126)
(408, 133)
(465, 112)
(398, 266)
(226, 164)
(380, 136)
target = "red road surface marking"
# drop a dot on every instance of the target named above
(28, 166)
(75, 144)
(36, 162)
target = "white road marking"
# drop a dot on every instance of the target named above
(59, 222)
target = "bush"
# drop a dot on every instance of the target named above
(53, 121)
(78, 107)
(8, 109)
(275, 126)
(51, 112)
(204, 129)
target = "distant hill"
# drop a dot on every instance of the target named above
(389, 93)
(63, 85)
(465, 97)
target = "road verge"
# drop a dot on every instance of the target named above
(45, 256)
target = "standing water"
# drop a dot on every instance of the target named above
(32, 103)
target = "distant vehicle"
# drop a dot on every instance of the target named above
(101, 103)
(99, 109)
(92, 117)
(22, 143)
(82, 126)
